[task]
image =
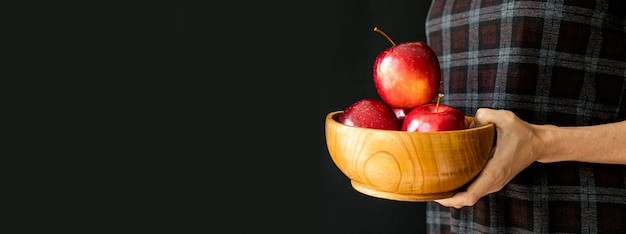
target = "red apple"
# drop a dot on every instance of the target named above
(434, 117)
(407, 75)
(370, 113)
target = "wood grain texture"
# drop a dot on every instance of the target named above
(408, 166)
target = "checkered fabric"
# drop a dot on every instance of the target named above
(558, 62)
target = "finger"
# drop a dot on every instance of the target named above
(482, 117)
(468, 197)
(456, 201)
(472, 124)
(497, 117)
(481, 186)
(476, 121)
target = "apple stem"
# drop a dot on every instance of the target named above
(383, 33)
(438, 100)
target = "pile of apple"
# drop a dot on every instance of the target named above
(407, 77)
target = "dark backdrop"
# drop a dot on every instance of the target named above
(354, 49)
(191, 116)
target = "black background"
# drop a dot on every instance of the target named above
(192, 116)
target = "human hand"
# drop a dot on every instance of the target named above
(517, 146)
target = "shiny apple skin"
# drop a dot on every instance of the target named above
(424, 118)
(407, 75)
(370, 113)
(401, 113)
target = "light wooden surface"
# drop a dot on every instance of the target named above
(408, 166)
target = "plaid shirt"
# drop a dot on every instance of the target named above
(558, 62)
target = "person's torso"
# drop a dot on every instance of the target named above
(557, 63)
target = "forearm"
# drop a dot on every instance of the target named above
(604, 143)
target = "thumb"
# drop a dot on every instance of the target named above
(484, 116)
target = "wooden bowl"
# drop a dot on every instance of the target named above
(408, 166)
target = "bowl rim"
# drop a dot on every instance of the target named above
(334, 114)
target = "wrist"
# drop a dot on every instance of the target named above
(547, 143)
